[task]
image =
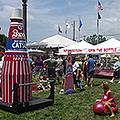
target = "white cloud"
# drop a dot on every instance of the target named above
(31, 17)
(69, 2)
(37, 11)
(43, 16)
(111, 19)
(13, 3)
(6, 12)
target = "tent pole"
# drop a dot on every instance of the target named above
(106, 60)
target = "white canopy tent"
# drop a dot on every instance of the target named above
(78, 48)
(110, 46)
(36, 52)
(36, 45)
(57, 41)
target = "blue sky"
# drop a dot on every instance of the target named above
(44, 16)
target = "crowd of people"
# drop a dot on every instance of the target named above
(55, 67)
(83, 69)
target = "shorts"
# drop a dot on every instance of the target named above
(37, 68)
(85, 74)
(51, 73)
(59, 73)
(117, 73)
(90, 74)
(74, 79)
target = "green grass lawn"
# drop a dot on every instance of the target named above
(76, 106)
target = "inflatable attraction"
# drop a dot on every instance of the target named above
(100, 109)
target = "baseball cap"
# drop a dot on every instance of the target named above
(116, 58)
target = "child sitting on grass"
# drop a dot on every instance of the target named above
(108, 99)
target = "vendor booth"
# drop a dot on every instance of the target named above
(78, 48)
(110, 46)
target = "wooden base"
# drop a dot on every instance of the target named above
(33, 104)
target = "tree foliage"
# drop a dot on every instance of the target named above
(93, 39)
(3, 41)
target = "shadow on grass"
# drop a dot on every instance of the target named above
(97, 85)
(93, 85)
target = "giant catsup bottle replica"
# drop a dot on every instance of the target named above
(16, 66)
(69, 85)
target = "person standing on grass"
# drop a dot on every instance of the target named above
(75, 72)
(116, 69)
(85, 70)
(108, 99)
(90, 74)
(63, 75)
(51, 65)
(59, 70)
(80, 72)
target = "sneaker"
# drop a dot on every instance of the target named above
(111, 81)
(119, 82)
(61, 91)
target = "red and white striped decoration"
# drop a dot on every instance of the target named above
(16, 65)
(15, 71)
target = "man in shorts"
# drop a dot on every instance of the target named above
(90, 74)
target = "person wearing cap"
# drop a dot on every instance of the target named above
(116, 69)
(51, 65)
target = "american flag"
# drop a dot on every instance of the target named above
(100, 6)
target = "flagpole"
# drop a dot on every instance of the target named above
(97, 26)
(97, 31)
(74, 30)
(79, 28)
(65, 28)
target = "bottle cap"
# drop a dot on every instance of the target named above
(16, 13)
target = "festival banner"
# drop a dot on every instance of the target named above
(103, 50)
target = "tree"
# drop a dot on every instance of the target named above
(3, 41)
(93, 39)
